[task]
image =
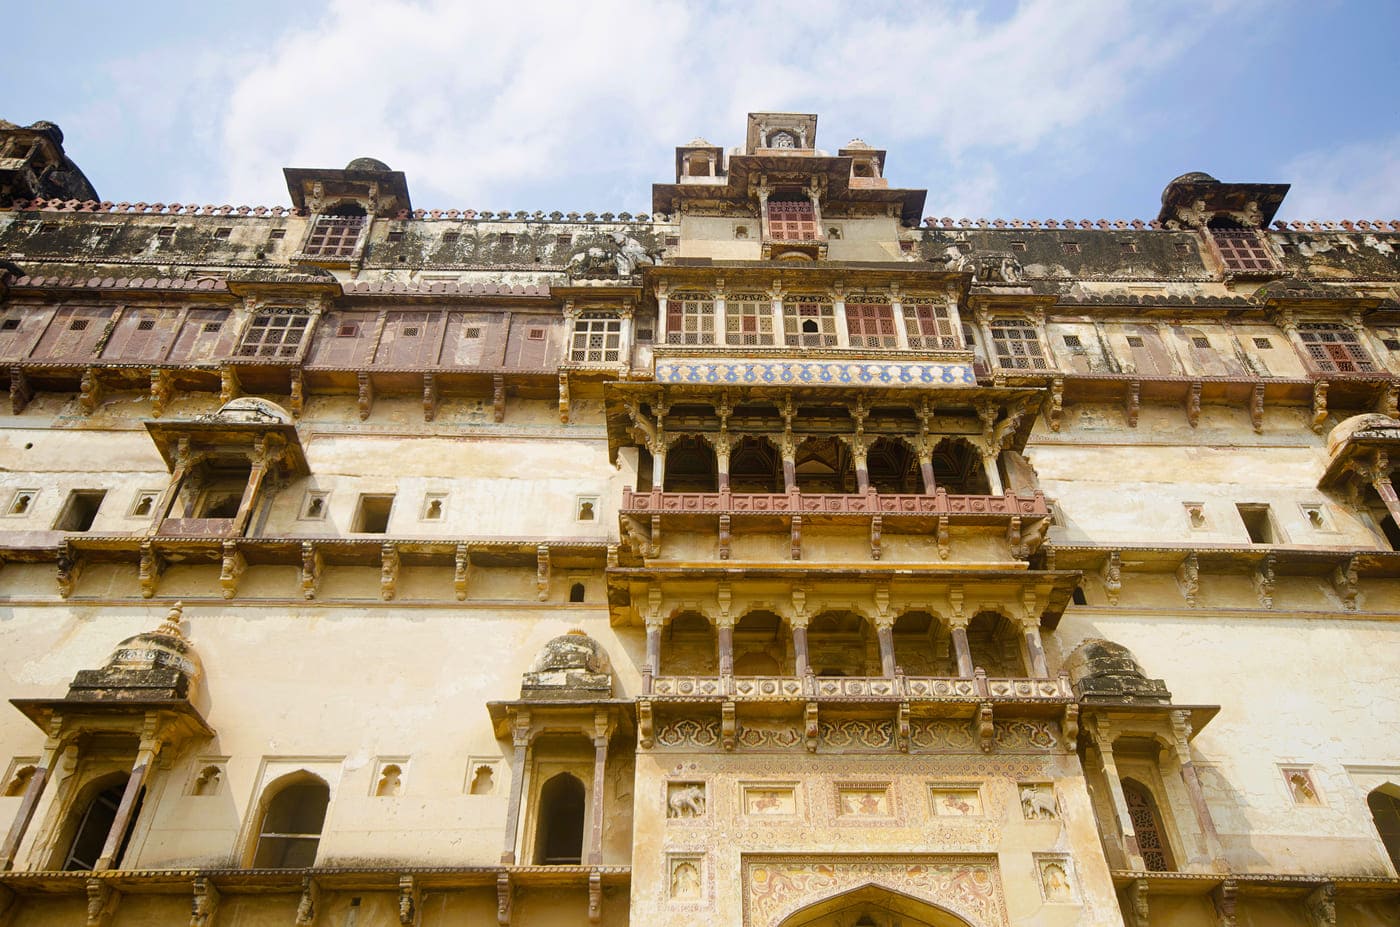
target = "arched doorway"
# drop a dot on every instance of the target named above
(1385, 812)
(89, 823)
(873, 906)
(1147, 824)
(559, 831)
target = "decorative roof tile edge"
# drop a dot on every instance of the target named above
(121, 283)
(1337, 225)
(192, 209)
(446, 288)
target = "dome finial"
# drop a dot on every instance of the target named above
(171, 625)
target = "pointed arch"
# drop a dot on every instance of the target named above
(755, 465)
(1147, 824)
(291, 817)
(842, 643)
(691, 466)
(957, 467)
(873, 906)
(1384, 803)
(89, 822)
(823, 465)
(995, 643)
(894, 467)
(689, 646)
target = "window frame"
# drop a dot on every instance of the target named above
(870, 323)
(284, 322)
(1024, 351)
(330, 236)
(690, 319)
(1331, 347)
(921, 317)
(595, 336)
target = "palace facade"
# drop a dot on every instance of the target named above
(776, 556)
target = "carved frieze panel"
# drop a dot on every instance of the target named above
(823, 373)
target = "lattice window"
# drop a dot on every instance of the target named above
(274, 334)
(1017, 346)
(597, 339)
(334, 236)
(870, 325)
(930, 327)
(809, 323)
(748, 319)
(792, 220)
(690, 319)
(1334, 348)
(1147, 823)
(1242, 249)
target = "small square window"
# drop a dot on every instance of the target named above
(145, 325)
(78, 325)
(434, 507)
(347, 330)
(535, 334)
(314, 506)
(1128, 247)
(213, 326)
(1183, 248)
(389, 777)
(223, 232)
(483, 775)
(80, 511)
(1072, 341)
(507, 240)
(1196, 515)
(1259, 523)
(396, 235)
(1263, 344)
(1301, 786)
(9, 325)
(21, 502)
(1288, 248)
(587, 509)
(1317, 517)
(1018, 246)
(276, 234)
(373, 514)
(1391, 344)
(474, 332)
(1134, 341)
(1070, 247)
(166, 233)
(1200, 341)
(450, 237)
(564, 240)
(645, 334)
(411, 331)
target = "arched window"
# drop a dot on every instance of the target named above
(893, 467)
(755, 466)
(559, 826)
(841, 644)
(958, 468)
(293, 817)
(90, 822)
(690, 466)
(576, 592)
(1147, 824)
(1385, 811)
(688, 647)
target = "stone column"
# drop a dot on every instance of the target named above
(1034, 651)
(724, 628)
(722, 449)
(33, 791)
(721, 315)
(1387, 493)
(957, 627)
(519, 763)
(658, 464)
(861, 460)
(814, 195)
(800, 663)
(624, 336)
(884, 633)
(776, 296)
(1103, 741)
(145, 756)
(1181, 732)
(268, 449)
(660, 336)
(601, 731)
(901, 331)
(925, 452)
(989, 464)
(838, 309)
(763, 192)
(788, 448)
(652, 668)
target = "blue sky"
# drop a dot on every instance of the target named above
(1038, 109)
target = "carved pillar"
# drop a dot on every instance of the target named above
(1181, 731)
(957, 627)
(721, 317)
(925, 452)
(660, 336)
(267, 451)
(1386, 490)
(788, 448)
(1103, 742)
(185, 460)
(725, 639)
(658, 464)
(989, 464)
(838, 309)
(33, 791)
(601, 730)
(775, 295)
(814, 194)
(519, 762)
(1035, 652)
(763, 192)
(800, 663)
(652, 668)
(884, 633)
(722, 449)
(145, 756)
(901, 332)
(624, 336)
(860, 458)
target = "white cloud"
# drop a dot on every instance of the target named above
(1358, 181)
(486, 105)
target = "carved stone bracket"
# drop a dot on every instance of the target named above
(312, 566)
(364, 397)
(1193, 404)
(1319, 405)
(149, 569)
(797, 537)
(204, 903)
(1321, 905)
(505, 899)
(1256, 409)
(942, 537)
(1188, 577)
(902, 724)
(725, 523)
(595, 897)
(728, 724)
(646, 725)
(542, 572)
(410, 901)
(102, 901)
(1135, 908)
(430, 396)
(229, 386)
(21, 392)
(876, 526)
(1132, 402)
(310, 902)
(983, 726)
(498, 398)
(1264, 581)
(1388, 402)
(389, 564)
(461, 571)
(1054, 410)
(1069, 723)
(1344, 583)
(89, 391)
(70, 567)
(296, 401)
(1112, 574)
(1223, 897)
(231, 568)
(564, 397)
(162, 390)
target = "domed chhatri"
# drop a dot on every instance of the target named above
(159, 664)
(367, 164)
(571, 667)
(1346, 430)
(253, 410)
(1103, 671)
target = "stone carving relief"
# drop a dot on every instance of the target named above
(685, 800)
(1056, 880)
(1038, 801)
(685, 878)
(777, 886)
(688, 733)
(611, 254)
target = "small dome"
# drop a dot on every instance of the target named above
(1344, 431)
(857, 143)
(254, 410)
(699, 142)
(1195, 177)
(367, 164)
(572, 651)
(164, 648)
(1103, 671)
(50, 129)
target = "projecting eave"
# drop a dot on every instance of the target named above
(910, 277)
(182, 715)
(206, 432)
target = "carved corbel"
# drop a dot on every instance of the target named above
(542, 572)
(984, 728)
(1344, 582)
(70, 567)
(365, 394)
(21, 392)
(1112, 575)
(296, 401)
(389, 563)
(1013, 538)
(811, 724)
(102, 902)
(1321, 905)
(902, 726)
(646, 725)
(505, 898)
(595, 897)
(1224, 897)
(725, 522)
(1135, 910)
(312, 565)
(654, 543)
(1188, 577)
(564, 397)
(1193, 404)
(410, 901)
(1054, 410)
(231, 568)
(204, 903)
(461, 571)
(1264, 580)
(877, 524)
(430, 396)
(309, 903)
(1069, 723)
(89, 391)
(1256, 409)
(498, 398)
(941, 536)
(1388, 402)
(229, 386)
(729, 724)
(797, 537)
(162, 389)
(1132, 402)
(1319, 405)
(149, 569)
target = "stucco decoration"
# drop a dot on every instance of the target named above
(1103, 671)
(1372, 424)
(251, 410)
(776, 887)
(611, 254)
(571, 666)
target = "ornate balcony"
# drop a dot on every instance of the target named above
(898, 688)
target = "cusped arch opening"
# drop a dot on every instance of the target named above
(873, 906)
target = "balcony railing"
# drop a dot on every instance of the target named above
(799, 503)
(863, 688)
